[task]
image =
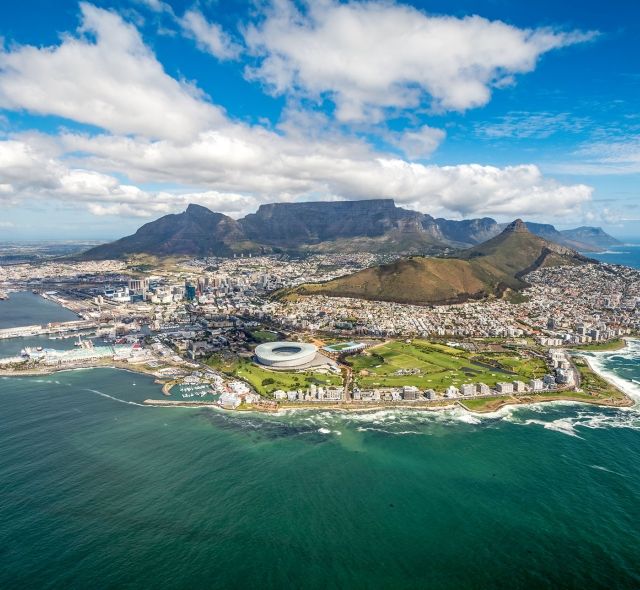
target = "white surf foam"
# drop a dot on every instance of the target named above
(597, 362)
(562, 425)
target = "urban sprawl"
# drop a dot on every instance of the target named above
(195, 324)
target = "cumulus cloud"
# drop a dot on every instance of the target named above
(104, 76)
(33, 174)
(209, 37)
(418, 143)
(233, 172)
(164, 132)
(371, 56)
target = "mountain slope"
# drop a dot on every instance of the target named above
(595, 237)
(195, 232)
(484, 270)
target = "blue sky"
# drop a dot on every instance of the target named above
(114, 113)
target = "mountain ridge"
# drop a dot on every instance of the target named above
(376, 225)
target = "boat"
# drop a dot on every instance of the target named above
(39, 348)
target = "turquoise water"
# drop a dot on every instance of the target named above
(98, 490)
(23, 308)
(626, 254)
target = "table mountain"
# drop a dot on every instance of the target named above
(342, 226)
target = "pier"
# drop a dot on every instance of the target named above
(58, 328)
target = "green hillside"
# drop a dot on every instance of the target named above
(484, 270)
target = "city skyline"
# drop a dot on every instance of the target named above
(116, 113)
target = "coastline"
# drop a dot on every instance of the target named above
(629, 388)
(629, 391)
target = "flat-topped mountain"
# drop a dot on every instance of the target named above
(594, 236)
(376, 225)
(488, 269)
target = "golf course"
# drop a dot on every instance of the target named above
(436, 366)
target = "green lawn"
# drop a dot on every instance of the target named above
(593, 385)
(440, 366)
(617, 344)
(264, 336)
(255, 375)
(485, 404)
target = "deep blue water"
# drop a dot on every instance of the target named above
(626, 254)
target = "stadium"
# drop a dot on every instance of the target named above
(285, 355)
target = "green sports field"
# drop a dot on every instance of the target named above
(440, 366)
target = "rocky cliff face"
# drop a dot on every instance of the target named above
(468, 231)
(293, 224)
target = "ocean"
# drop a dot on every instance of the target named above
(98, 490)
(626, 254)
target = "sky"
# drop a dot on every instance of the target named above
(114, 113)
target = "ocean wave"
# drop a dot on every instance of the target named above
(602, 468)
(393, 432)
(562, 425)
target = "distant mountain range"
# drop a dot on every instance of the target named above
(489, 269)
(341, 226)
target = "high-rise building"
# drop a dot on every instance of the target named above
(189, 291)
(139, 286)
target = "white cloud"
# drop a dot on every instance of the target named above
(156, 6)
(182, 141)
(526, 125)
(114, 82)
(617, 154)
(209, 37)
(418, 143)
(372, 56)
(236, 170)
(37, 175)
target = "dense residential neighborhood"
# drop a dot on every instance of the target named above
(177, 319)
